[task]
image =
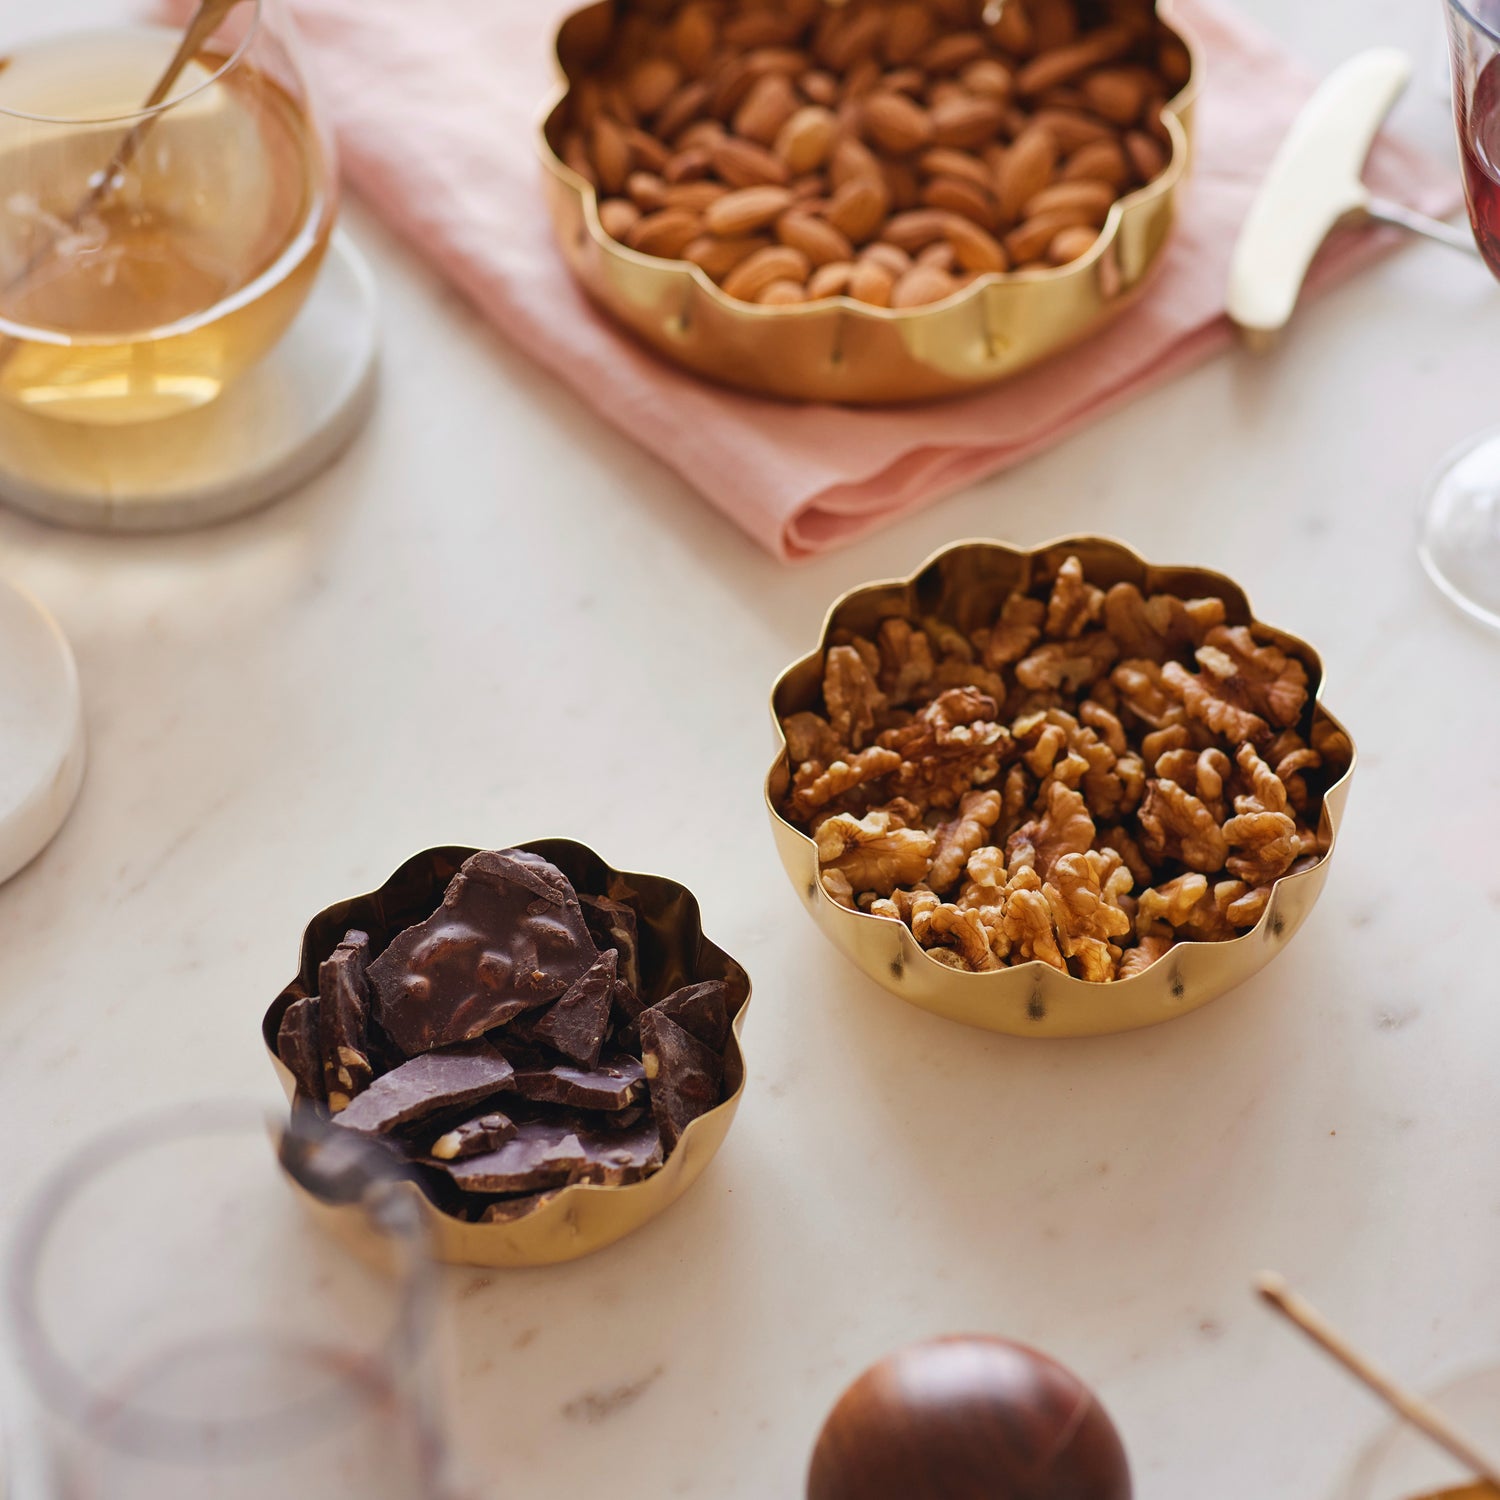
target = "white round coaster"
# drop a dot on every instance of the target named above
(272, 430)
(41, 729)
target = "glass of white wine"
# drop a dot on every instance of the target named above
(149, 256)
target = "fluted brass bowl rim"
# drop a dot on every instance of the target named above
(545, 1233)
(1162, 185)
(1026, 975)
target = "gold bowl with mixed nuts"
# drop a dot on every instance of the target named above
(873, 201)
(1058, 792)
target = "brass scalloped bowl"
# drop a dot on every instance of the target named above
(965, 582)
(576, 1220)
(838, 349)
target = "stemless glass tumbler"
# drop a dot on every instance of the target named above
(1460, 537)
(187, 1333)
(148, 255)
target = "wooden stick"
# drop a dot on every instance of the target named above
(1426, 1419)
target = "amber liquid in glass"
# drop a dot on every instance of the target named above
(193, 263)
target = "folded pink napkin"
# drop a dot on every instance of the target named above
(436, 105)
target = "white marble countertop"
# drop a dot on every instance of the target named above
(496, 619)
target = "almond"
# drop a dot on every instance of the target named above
(762, 27)
(1115, 94)
(806, 139)
(719, 257)
(651, 83)
(859, 208)
(975, 249)
(951, 52)
(702, 133)
(907, 31)
(911, 231)
(829, 281)
(694, 196)
(1063, 64)
(728, 84)
(939, 254)
(1090, 197)
(902, 185)
(1069, 244)
(789, 61)
(1030, 239)
(1054, 23)
(808, 191)
(756, 272)
(852, 159)
(746, 210)
(945, 162)
(957, 196)
(688, 166)
(863, 79)
(611, 154)
(895, 260)
(682, 109)
(695, 38)
(576, 155)
(667, 233)
(646, 150)
(1174, 62)
(966, 123)
(818, 240)
(743, 164)
(990, 77)
(1025, 170)
(647, 189)
(922, 284)
(850, 35)
(1146, 156)
(909, 81)
(1012, 31)
(767, 107)
(784, 293)
(1100, 161)
(819, 87)
(871, 282)
(1070, 129)
(616, 215)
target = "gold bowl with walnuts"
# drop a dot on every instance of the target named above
(868, 201)
(1056, 792)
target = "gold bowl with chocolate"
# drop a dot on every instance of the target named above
(547, 1047)
(870, 202)
(1056, 792)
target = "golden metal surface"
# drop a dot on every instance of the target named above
(966, 583)
(839, 349)
(577, 1220)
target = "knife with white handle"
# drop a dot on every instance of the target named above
(1314, 182)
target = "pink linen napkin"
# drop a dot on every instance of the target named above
(436, 105)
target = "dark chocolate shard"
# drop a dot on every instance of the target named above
(438, 1080)
(613, 924)
(615, 1084)
(298, 1046)
(577, 1024)
(702, 1010)
(510, 933)
(473, 1138)
(684, 1077)
(344, 1018)
(557, 1152)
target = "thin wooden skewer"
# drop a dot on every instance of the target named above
(1426, 1419)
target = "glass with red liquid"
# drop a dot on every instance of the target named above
(1460, 541)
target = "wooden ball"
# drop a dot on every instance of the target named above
(968, 1419)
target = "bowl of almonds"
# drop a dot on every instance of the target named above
(1058, 792)
(866, 202)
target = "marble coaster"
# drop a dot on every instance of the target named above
(272, 430)
(41, 729)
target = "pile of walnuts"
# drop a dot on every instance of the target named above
(1094, 776)
(886, 150)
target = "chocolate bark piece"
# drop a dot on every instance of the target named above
(559, 1151)
(437, 1080)
(683, 1076)
(473, 1138)
(577, 1024)
(702, 1010)
(344, 1019)
(613, 924)
(508, 936)
(616, 1084)
(298, 1046)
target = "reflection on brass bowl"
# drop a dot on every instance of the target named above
(965, 583)
(839, 349)
(575, 1220)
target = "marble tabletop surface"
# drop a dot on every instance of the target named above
(496, 619)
